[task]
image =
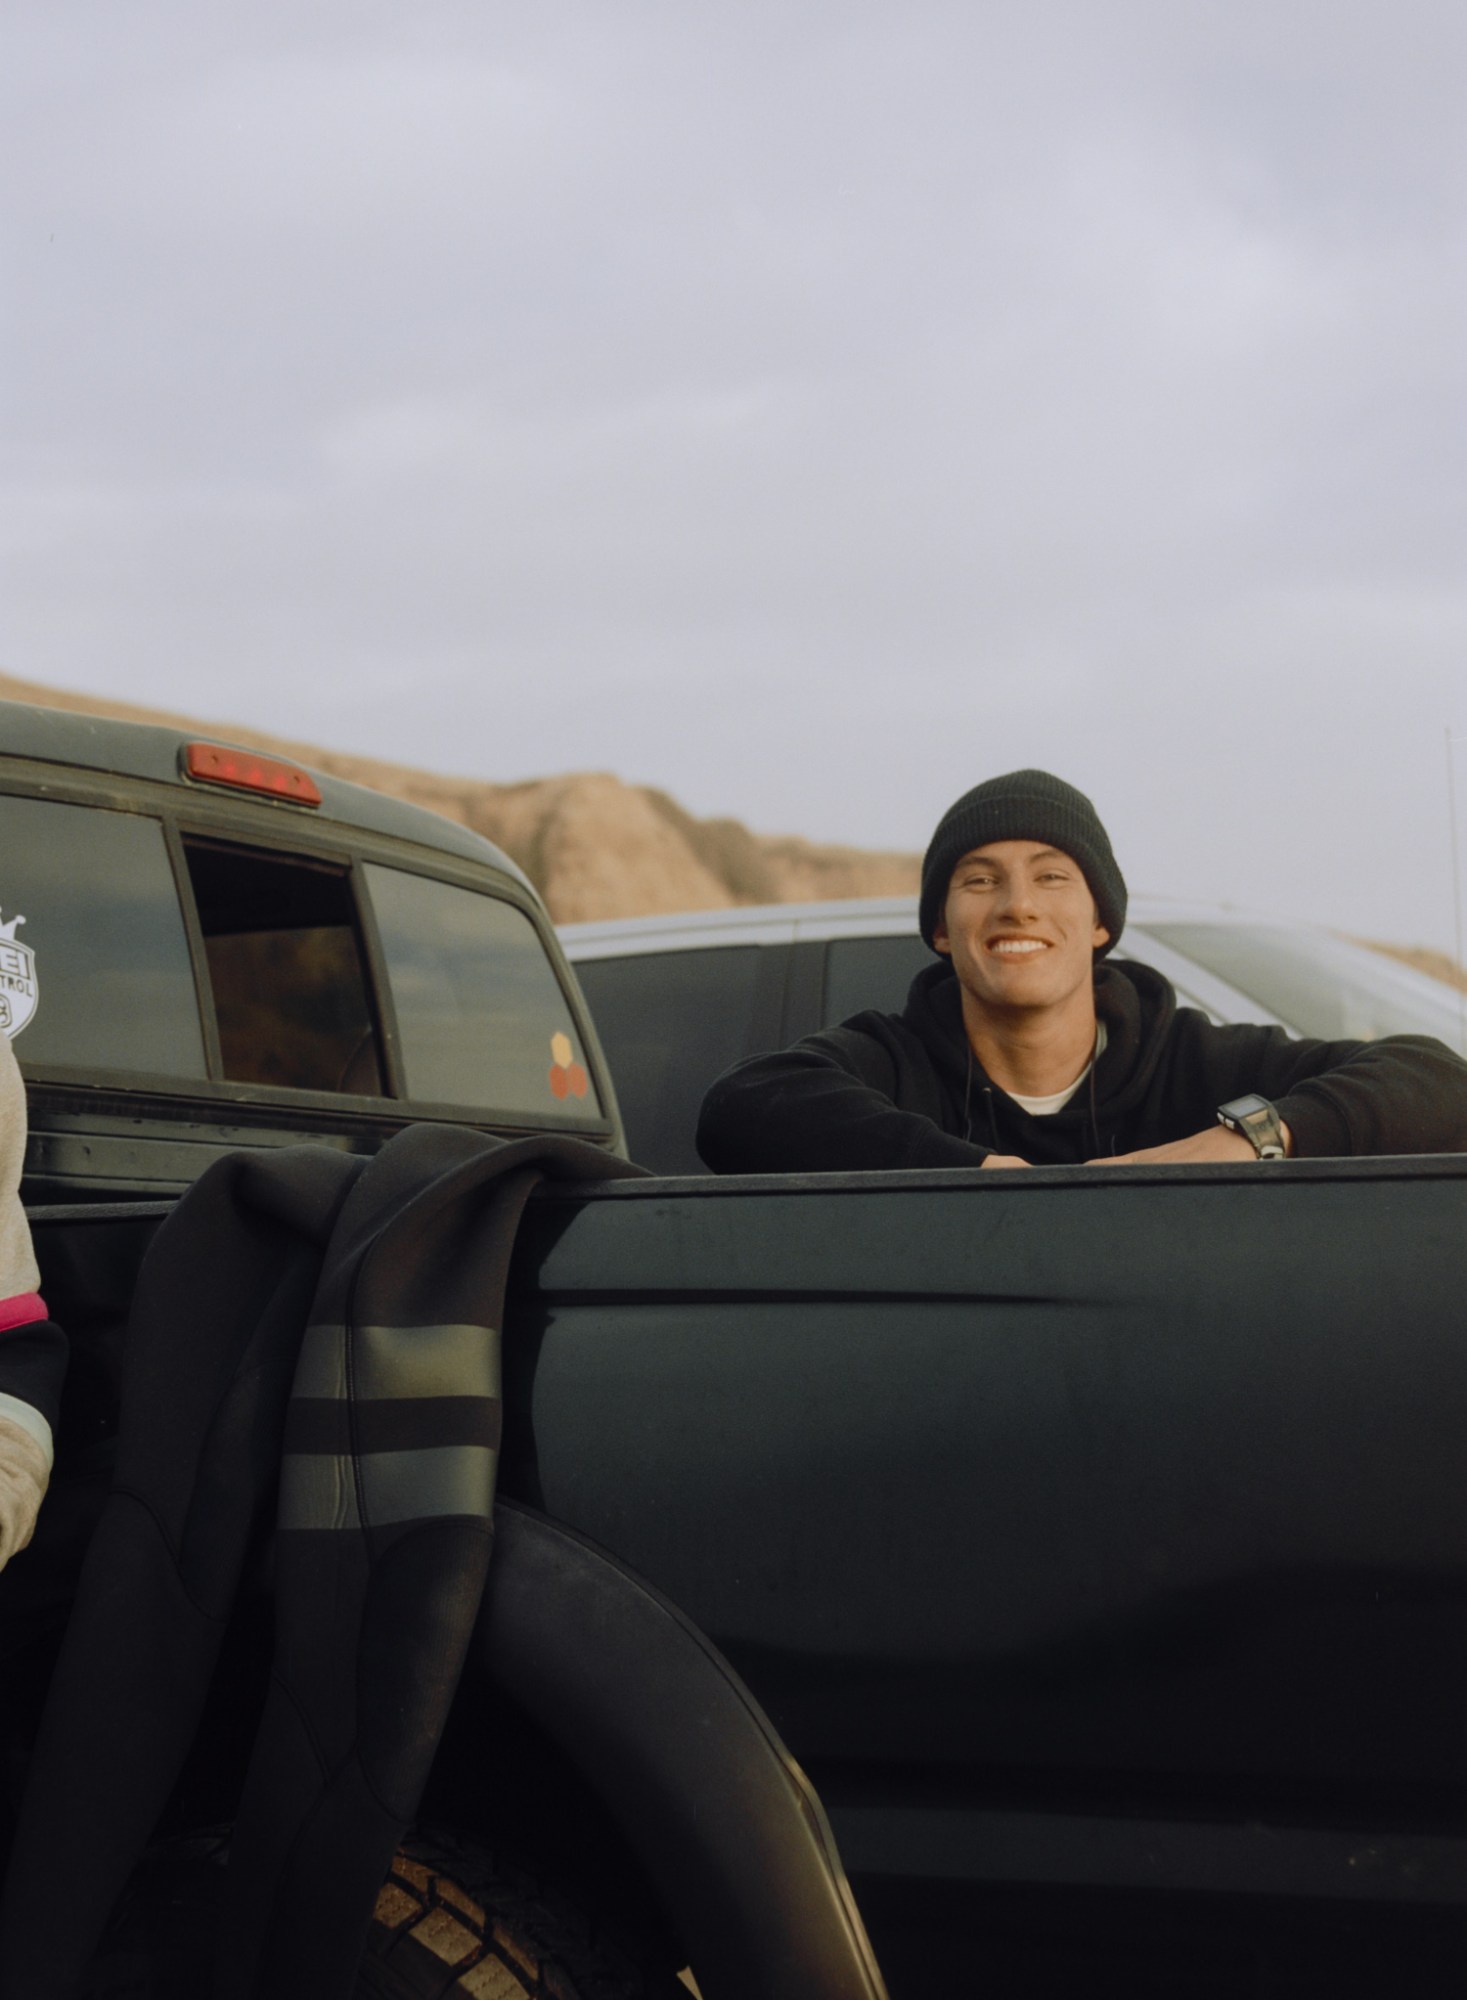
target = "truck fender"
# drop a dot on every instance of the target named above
(720, 1816)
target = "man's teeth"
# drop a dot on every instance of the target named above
(1012, 946)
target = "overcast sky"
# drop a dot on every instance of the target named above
(808, 408)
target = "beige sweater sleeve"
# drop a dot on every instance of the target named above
(25, 1436)
(18, 1271)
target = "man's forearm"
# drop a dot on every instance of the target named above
(1216, 1142)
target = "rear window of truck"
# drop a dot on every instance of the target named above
(126, 953)
(94, 961)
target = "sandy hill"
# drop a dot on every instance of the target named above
(592, 845)
(596, 847)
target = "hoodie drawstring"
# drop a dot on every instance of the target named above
(992, 1116)
(967, 1107)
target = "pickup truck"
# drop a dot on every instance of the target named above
(1094, 1541)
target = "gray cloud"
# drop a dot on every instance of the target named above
(803, 409)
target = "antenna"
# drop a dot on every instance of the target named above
(1457, 891)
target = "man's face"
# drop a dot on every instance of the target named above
(1020, 926)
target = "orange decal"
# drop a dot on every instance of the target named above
(567, 1078)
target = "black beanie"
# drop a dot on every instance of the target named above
(1024, 805)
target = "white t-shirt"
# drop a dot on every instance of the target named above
(1045, 1107)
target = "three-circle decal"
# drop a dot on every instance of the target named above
(567, 1078)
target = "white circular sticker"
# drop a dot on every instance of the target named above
(19, 992)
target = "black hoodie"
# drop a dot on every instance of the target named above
(904, 1090)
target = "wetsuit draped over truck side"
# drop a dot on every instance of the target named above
(329, 1327)
(903, 1090)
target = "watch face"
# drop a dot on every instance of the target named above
(1247, 1107)
(1258, 1122)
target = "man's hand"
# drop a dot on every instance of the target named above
(1004, 1160)
(1216, 1143)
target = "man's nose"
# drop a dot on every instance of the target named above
(1017, 898)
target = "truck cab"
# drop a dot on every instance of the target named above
(203, 947)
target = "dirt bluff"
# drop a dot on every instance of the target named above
(593, 845)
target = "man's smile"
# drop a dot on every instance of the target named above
(1011, 947)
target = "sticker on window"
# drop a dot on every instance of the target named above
(567, 1078)
(19, 992)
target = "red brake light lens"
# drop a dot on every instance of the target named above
(246, 771)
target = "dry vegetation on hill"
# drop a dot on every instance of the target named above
(592, 845)
(1435, 963)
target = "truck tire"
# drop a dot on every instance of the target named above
(451, 1922)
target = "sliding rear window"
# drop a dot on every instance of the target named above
(482, 1020)
(287, 969)
(94, 963)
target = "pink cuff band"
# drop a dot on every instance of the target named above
(21, 1310)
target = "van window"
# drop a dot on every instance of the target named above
(285, 964)
(481, 1017)
(1321, 985)
(871, 972)
(670, 1022)
(94, 966)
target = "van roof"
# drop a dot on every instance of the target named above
(152, 751)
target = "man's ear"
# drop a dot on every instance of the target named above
(1099, 937)
(940, 939)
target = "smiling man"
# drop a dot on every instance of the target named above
(1026, 1045)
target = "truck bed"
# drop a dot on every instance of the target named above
(1096, 1539)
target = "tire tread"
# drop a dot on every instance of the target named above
(452, 1922)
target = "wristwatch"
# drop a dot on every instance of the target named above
(1259, 1124)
